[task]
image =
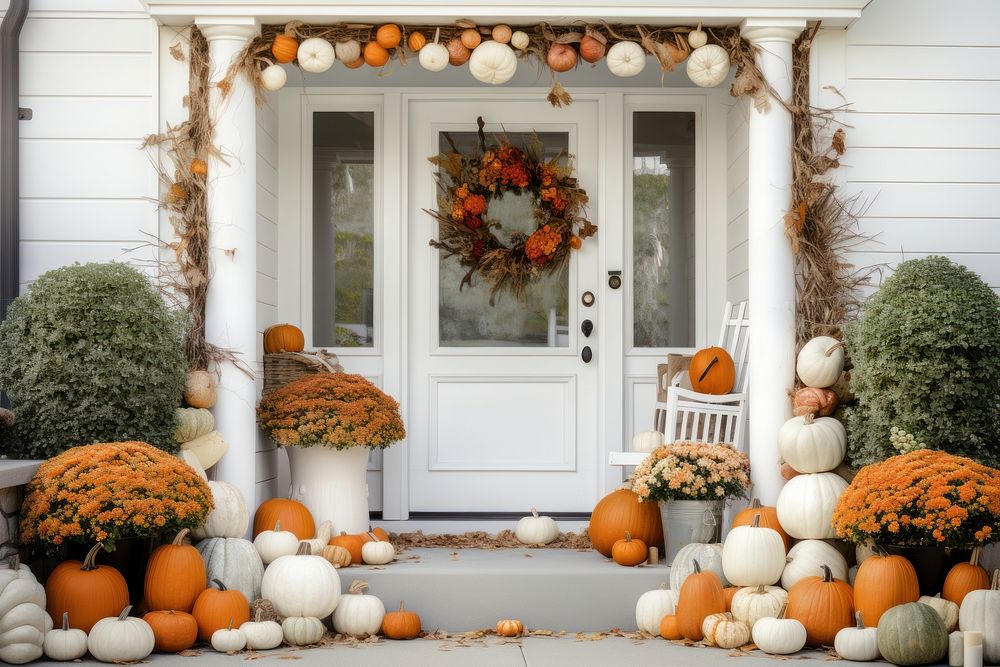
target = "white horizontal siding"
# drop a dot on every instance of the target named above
(87, 190)
(923, 139)
(737, 200)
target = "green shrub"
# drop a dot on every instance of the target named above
(91, 354)
(926, 353)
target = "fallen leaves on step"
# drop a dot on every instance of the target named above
(478, 539)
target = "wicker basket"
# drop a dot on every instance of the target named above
(281, 368)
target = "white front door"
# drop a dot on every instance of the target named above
(502, 408)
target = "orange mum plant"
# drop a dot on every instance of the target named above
(923, 498)
(110, 491)
(692, 471)
(332, 410)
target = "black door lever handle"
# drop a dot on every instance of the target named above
(586, 354)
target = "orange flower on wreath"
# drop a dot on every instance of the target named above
(542, 245)
(475, 204)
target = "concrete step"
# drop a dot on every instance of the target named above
(553, 589)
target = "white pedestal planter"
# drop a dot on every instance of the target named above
(332, 483)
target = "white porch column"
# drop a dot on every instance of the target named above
(771, 273)
(231, 309)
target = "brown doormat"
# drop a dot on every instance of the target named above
(479, 539)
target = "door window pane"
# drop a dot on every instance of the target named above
(343, 228)
(465, 316)
(663, 221)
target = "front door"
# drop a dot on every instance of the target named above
(503, 407)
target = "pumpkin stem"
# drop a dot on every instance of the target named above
(995, 586)
(14, 562)
(860, 623)
(755, 504)
(220, 585)
(374, 537)
(977, 552)
(760, 589)
(437, 35)
(830, 350)
(713, 362)
(304, 549)
(89, 561)
(784, 608)
(663, 585)
(697, 567)
(256, 616)
(628, 536)
(230, 623)
(179, 537)
(277, 525)
(827, 573)
(756, 521)
(65, 621)
(402, 607)
(125, 612)
(534, 512)
(358, 587)
(808, 418)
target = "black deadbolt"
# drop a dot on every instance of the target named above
(614, 279)
(587, 328)
(587, 354)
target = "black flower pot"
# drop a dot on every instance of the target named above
(931, 563)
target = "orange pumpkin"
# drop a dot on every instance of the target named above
(458, 53)
(575, 242)
(352, 543)
(619, 512)
(629, 552)
(401, 624)
(471, 38)
(283, 338)
(788, 472)
(814, 401)
(561, 57)
(217, 608)
(388, 36)
(375, 54)
(730, 592)
(712, 371)
(416, 41)
(284, 48)
(701, 596)
(173, 631)
(175, 576)
(882, 582)
(768, 519)
(356, 64)
(592, 49)
(965, 578)
(823, 605)
(370, 536)
(668, 627)
(293, 515)
(89, 592)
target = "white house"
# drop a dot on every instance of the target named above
(502, 411)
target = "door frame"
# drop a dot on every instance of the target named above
(392, 135)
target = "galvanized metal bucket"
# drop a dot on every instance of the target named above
(688, 521)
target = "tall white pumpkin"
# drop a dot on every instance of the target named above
(820, 362)
(652, 606)
(807, 558)
(811, 444)
(806, 503)
(233, 561)
(433, 56)
(229, 517)
(302, 585)
(493, 62)
(980, 612)
(753, 556)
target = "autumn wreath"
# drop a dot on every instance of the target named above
(466, 186)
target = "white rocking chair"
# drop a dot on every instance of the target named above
(689, 415)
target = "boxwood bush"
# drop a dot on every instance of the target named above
(91, 353)
(926, 354)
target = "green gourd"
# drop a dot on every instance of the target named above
(912, 634)
(192, 423)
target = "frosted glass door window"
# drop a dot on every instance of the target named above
(663, 225)
(343, 228)
(465, 316)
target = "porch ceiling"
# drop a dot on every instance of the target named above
(833, 13)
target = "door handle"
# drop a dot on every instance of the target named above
(586, 354)
(587, 328)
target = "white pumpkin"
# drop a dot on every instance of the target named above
(377, 552)
(980, 612)
(23, 620)
(536, 529)
(806, 503)
(348, 51)
(302, 585)
(756, 602)
(189, 458)
(433, 56)
(708, 65)
(859, 644)
(493, 62)
(653, 606)
(520, 40)
(193, 423)
(358, 614)
(820, 362)
(65, 643)
(753, 555)
(303, 631)
(120, 638)
(626, 59)
(229, 517)
(273, 544)
(262, 635)
(322, 539)
(209, 448)
(811, 444)
(316, 55)
(724, 631)
(274, 77)
(646, 441)
(709, 557)
(697, 38)
(229, 640)
(233, 561)
(780, 635)
(946, 609)
(806, 559)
